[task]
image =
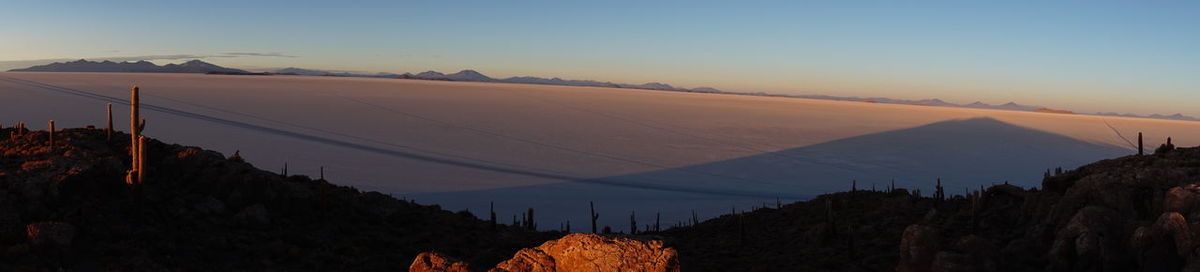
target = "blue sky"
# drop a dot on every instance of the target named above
(1087, 56)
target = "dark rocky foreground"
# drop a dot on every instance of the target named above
(68, 207)
(1134, 213)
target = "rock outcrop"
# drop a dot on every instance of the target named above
(435, 262)
(575, 252)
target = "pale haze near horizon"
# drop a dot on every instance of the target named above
(1082, 56)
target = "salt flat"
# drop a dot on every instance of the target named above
(554, 148)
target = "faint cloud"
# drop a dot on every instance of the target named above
(256, 54)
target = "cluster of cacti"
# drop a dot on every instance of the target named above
(594, 216)
(137, 142)
(528, 223)
(18, 131)
(1164, 148)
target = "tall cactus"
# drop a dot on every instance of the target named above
(594, 215)
(492, 211)
(633, 223)
(137, 142)
(141, 159)
(657, 219)
(109, 129)
(134, 132)
(51, 134)
(530, 223)
(1141, 150)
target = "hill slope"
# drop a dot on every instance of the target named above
(67, 207)
(1134, 213)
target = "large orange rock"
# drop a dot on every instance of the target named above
(434, 262)
(590, 252)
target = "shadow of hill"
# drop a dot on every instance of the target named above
(965, 153)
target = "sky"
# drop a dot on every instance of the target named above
(1088, 56)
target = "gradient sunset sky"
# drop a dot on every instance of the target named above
(1087, 56)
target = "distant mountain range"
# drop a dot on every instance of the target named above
(197, 66)
(194, 66)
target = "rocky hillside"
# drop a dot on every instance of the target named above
(1135, 213)
(67, 207)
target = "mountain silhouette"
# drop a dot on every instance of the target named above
(193, 66)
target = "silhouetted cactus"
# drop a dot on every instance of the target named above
(633, 223)
(109, 129)
(695, 219)
(1141, 150)
(492, 213)
(51, 134)
(530, 223)
(657, 218)
(1164, 148)
(594, 216)
(284, 172)
(939, 193)
(853, 185)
